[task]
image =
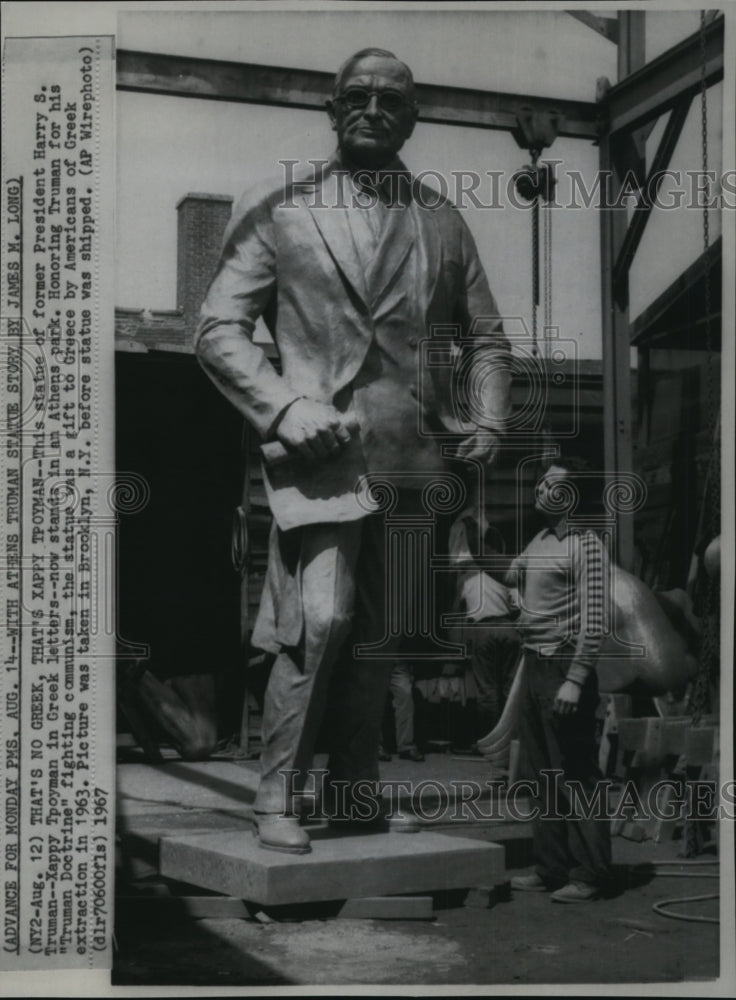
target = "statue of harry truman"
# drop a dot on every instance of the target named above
(351, 267)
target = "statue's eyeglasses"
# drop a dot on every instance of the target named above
(388, 100)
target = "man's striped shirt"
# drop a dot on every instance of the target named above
(563, 578)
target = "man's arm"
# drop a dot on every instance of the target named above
(591, 568)
(512, 578)
(590, 578)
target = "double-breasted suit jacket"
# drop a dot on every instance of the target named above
(351, 334)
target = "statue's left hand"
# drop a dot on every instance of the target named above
(481, 446)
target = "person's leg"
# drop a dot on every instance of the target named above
(401, 686)
(492, 662)
(509, 654)
(540, 753)
(360, 685)
(297, 688)
(588, 837)
(488, 705)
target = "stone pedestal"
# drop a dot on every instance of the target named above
(338, 867)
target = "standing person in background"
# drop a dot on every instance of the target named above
(401, 689)
(563, 581)
(493, 650)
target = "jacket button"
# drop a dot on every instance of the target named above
(412, 342)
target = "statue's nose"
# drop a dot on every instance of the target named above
(371, 107)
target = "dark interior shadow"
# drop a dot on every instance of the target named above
(181, 951)
(626, 877)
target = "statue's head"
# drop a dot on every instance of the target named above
(373, 109)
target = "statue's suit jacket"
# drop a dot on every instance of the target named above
(352, 336)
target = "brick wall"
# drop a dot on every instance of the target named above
(201, 224)
(153, 329)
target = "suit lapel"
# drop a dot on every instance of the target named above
(394, 246)
(413, 228)
(429, 248)
(332, 222)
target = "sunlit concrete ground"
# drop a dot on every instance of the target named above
(476, 939)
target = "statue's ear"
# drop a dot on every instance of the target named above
(329, 105)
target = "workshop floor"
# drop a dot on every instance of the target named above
(523, 939)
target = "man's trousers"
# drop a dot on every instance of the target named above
(566, 847)
(401, 686)
(493, 662)
(325, 594)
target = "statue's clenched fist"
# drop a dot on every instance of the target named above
(315, 430)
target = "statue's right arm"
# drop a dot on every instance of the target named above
(243, 287)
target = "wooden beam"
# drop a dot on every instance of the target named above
(660, 162)
(665, 81)
(216, 80)
(606, 26)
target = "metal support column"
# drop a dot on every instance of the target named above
(617, 441)
(617, 435)
(631, 41)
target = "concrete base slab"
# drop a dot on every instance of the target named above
(388, 908)
(143, 789)
(338, 867)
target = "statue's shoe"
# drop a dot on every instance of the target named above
(281, 833)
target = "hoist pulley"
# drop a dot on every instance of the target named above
(535, 180)
(535, 183)
(536, 130)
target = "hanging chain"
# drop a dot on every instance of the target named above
(535, 272)
(704, 137)
(547, 275)
(715, 513)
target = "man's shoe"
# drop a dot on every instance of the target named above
(281, 833)
(412, 754)
(383, 755)
(377, 824)
(466, 751)
(529, 883)
(575, 892)
(402, 823)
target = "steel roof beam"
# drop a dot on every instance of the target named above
(643, 210)
(666, 80)
(606, 26)
(216, 80)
